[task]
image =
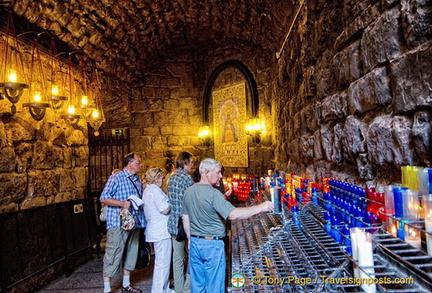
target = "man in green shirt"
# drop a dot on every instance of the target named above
(204, 212)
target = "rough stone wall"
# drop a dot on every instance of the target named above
(165, 113)
(354, 89)
(257, 60)
(124, 36)
(42, 162)
(166, 106)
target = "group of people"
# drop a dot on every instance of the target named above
(202, 208)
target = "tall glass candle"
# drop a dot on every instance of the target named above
(423, 181)
(413, 236)
(398, 201)
(365, 260)
(276, 199)
(354, 247)
(389, 209)
(400, 232)
(427, 205)
(411, 204)
(391, 227)
(389, 200)
(413, 177)
(404, 171)
(430, 180)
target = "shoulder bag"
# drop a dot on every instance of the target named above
(127, 220)
(144, 252)
(181, 234)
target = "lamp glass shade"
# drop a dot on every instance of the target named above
(203, 131)
(12, 76)
(71, 109)
(254, 125)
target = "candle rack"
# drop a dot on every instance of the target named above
(268, 246)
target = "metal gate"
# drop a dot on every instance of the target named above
(106, 153)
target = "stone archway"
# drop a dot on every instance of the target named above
(253, 103)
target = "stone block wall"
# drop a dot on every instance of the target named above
(166, 107)
(165, 114)
(356, 101)
(44, 162)
(40, 164)
(259, 63)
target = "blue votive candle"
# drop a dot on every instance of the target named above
(398, 201)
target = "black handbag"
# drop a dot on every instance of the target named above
(181, 234)
(144, 252)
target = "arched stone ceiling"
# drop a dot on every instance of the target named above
(125, 36)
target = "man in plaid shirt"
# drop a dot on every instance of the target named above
(122, 246)
(177, 184)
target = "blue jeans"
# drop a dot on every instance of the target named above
(207, 265)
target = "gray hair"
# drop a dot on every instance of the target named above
(208, 165)
(128, 158)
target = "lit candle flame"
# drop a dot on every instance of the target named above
(84, 100)
(95, 114)
(12, 77)
(203, 131)
(55, 90)
(37, 97)
(71, 109)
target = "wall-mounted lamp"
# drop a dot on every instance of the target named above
(254, 129)
(56, 99)
(12, 78)
(37, 106)
(204, 134)
(96, 116)
(12, 90)
(71, 115)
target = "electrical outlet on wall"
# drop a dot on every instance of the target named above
(78, 208)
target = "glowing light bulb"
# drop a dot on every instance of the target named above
(54, 90)
(12, 77)
(71, 109)
(84, 100)
(203, 131)
(95, 114)
(37, 97)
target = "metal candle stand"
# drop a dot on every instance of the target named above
(270, 247)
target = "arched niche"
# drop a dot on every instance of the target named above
(252, 102)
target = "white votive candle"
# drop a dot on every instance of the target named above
(354, 232)
(366, 263)
(427, 207)
(412, 236)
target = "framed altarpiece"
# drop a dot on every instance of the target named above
(229, 120)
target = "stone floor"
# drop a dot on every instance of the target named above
(87, 278)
